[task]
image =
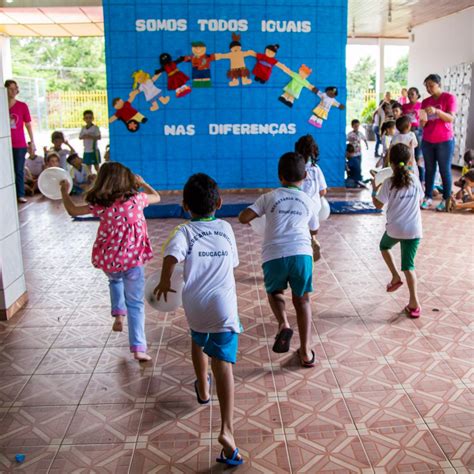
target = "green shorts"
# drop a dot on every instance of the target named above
(296, 270)
(408, 249)
(91, 157)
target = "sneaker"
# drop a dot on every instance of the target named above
(426, 204)
(441, 207)
(22, 200)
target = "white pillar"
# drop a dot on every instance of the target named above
(13, 293)
(5, 58)
(380, 71)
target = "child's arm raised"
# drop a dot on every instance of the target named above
(164, 287)
(152, 194)
(247, 215)
(72, 209)
(378, 204)
(69, 146)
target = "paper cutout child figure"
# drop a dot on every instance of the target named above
(126, 113)
(265, 62)
(176, 79)
(293, 89)
(201, 64)
(237, 70)
(321, 111)
(144, 83)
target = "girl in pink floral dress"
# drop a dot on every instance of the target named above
(122, 246)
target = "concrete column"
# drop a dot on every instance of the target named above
(13, 293)
(5, 58)
(380, 71)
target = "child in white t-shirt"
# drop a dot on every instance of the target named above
(80, 174)
(90, 134)
(314, 184)
(402, 193)
(408, 138)
(209, 251)
(287, 254)
(58, 139)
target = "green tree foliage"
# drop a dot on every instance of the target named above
(398, 75)
(359, 80)
(66, 63)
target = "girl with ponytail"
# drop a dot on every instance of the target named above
(402, 194)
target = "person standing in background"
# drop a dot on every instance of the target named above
(19, 118)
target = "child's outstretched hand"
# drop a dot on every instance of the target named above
(163, 288)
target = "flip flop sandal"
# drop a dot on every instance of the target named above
(307, 363)
(413, 312)
(282, 341)
(199, 399)
(232, 461)
(394, 287)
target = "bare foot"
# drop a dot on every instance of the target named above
(164, 100)
(141, 356)
(154, 106)
(395, 280)
(246, 81)
(118, 324)
(228, 444)
(234, 82)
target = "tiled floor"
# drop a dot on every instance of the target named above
(388, 394)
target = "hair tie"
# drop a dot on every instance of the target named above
(401, 164)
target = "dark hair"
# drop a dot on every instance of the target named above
(71, 157)
(386, 107)
(386, 125)
(307, 147)
(469, 157)
(291, 167)
(354, 122)
(414, 89)
(115, 100)
(165, 58)
(403, 123)
(114, 181)
(400, 155)
(434, 78)
(350, 148)
(396, 105)
(88, 111)
(201, 194)
(331, 88)
(469, 175)
(57, 134)
(9, 82)
(273, 47)
(235, 41)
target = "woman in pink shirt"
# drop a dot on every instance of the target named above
(19, 118)
(412, 110)
(437, 119)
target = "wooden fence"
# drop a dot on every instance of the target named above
(65, 108)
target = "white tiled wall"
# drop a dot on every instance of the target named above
(12, 279)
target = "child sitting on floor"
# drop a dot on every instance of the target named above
(80, 174)
(353, 168)
(58, 140)
(314, 184)
(468, 165)
(208, 249)
(403, 194)
(34, 162)
(51, 160)
(467, 198)
(287, 254)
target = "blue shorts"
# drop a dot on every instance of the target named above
(220, 345)
(201, 73)
(296, 270)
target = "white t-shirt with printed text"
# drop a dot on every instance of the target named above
(209, 252)
(90, 145)
(403, 209)
(314, 183)
(290, 215)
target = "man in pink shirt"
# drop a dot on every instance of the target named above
(19, 118)
(437, 117)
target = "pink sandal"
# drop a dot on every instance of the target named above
(395, 286)
(413, 312)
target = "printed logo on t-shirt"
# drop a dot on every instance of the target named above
(207, 233)
(13, 121)
(290, 211)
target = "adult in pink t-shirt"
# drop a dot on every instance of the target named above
(436, 118)
(19, 118)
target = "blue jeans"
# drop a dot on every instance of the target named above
(442, 154)
(421, 170)
(127, 297)
(355, 171)
(378, 142)
(19, 167)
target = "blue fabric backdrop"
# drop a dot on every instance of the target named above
(235, 161)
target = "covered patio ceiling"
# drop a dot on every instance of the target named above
(366, 18)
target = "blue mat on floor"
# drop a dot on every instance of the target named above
(175, 211)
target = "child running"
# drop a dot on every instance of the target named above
(209, 251)
(122, 246)
(314, 184)
(402, 193)
(287, 255)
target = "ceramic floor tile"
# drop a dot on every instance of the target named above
(69, 361)
(82, 336)
(114, 458)
(35, 426)
(10, 388)
(38, 459)
(20, 361)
